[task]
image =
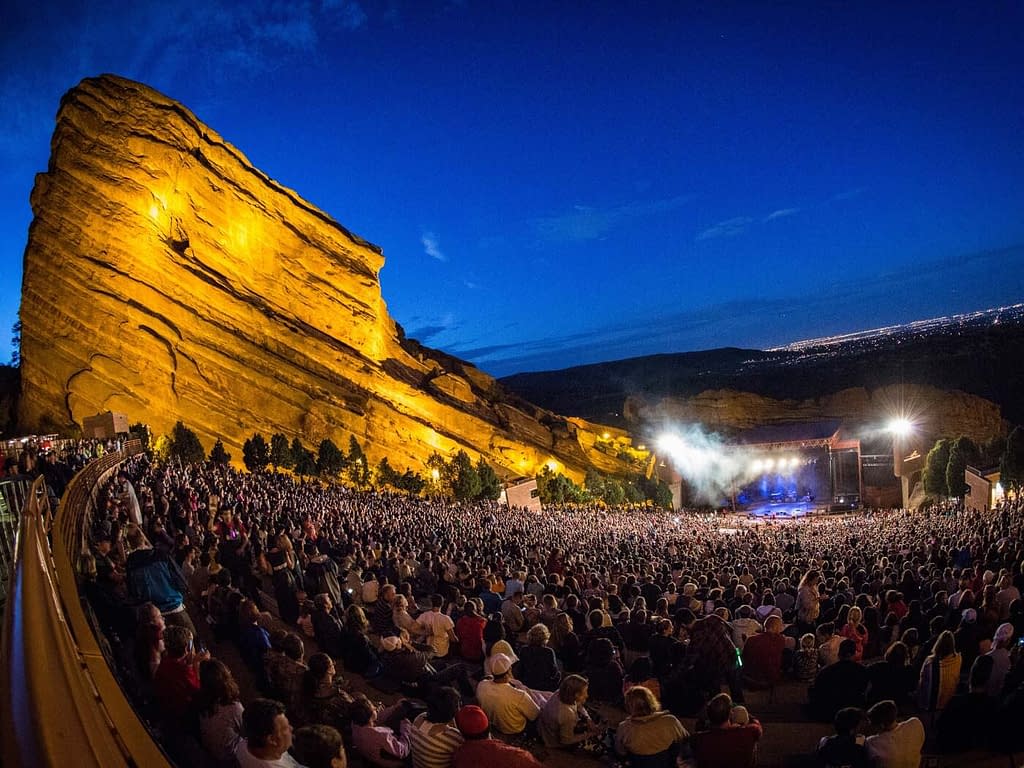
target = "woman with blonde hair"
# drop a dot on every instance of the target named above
(564, 721)
(939, 674)
(537, 667)
(808, 601)
(649, 733)
(855, 630)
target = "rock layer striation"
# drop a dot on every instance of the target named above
(168, 278)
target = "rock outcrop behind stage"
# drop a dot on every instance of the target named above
(167, 278)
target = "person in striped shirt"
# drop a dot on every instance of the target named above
(433, 735)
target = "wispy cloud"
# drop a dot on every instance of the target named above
(431, 246)
(781, 213)
(728, 228)
(433, 327)
(585, 223)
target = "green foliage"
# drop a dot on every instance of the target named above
(961, 453)
(162, 448)
(556, 488)
(490, 484)
(218, 455)
(465, 482)
(935, 463)
(305, 459)
(1011, 468)
(281, 452)
(255, 453)
(329, 459)
(185, 445)
(358, 467)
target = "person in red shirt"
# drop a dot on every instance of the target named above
(479, 749)
(176, 681)
(725, 744)
(762, 655)
(470, 631)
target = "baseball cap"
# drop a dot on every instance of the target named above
(471, 720)
(500, 664)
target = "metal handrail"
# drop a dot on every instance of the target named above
(59, 700)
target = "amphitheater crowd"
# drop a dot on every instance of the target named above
(501, 629)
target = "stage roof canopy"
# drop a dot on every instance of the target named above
(800, 433)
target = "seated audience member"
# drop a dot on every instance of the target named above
(940, 674)
(438, 628)
(319, 746)
(564, 721)
(380, 737)
(642, 673)
(966, 722)
(603, 671)
(664, 648)
(410, 667)
(896, 744)
(723, 743)
(762, 655)
(508, 707)
(268, 737)
(538, 667)
(805, 666)
(828, 645)
(649, 736)
(744, 626)
(855, 630)
(326, 627)
(844, 749)
(479, 750)
(357, 652)
(891, 677)
(843, 684)
(220, 711)
(323, 700)
(433, 737)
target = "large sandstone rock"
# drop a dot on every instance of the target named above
(168, 278)
(937, 412)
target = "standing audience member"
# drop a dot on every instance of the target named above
(940, 674)
(220, 711)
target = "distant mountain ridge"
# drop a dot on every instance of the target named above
(980, 353)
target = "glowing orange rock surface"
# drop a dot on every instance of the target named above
(167, 278)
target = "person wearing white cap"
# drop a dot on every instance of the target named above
(509, 708)
(1000, 653)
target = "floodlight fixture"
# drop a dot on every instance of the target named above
(901, 427)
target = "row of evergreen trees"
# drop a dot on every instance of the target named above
(458, 477)
(946, 462)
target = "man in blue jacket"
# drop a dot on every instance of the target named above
(152, 577)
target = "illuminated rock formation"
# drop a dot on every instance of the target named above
(863, 412)
(167, 278)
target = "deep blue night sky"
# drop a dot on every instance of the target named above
(559, 183)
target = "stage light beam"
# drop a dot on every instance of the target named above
(901, 427)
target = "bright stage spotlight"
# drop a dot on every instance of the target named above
(901, 427)
(768, 464)
(794, 462)
(756, 466)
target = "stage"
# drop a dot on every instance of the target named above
(785, 510)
